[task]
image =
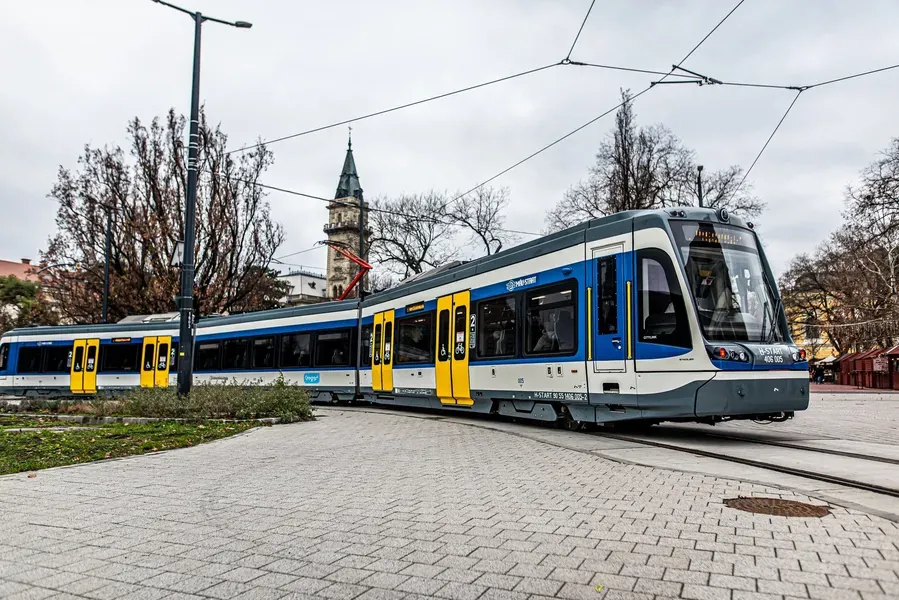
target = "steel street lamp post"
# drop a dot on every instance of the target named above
(186, 308)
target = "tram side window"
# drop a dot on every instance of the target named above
(29, 359)
(332, 349)
(234, 354)
(119, 358)
(608, 296)
(4, 356)
(551, 320)
(662, 315)
(162, 358)
(443, 325)
(496, 318)
(376, 357)
(264, 353)
(296, 350)
(388, 342)
(207, 358)
(415, 339)
(366, 346)
(58, 359)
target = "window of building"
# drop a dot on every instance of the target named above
(607, 296)
(661, 313)
(207, 358)
(496, 318)
(443, 326)
(461, 325)
(4, 356)
(376, 356)
(551, 320)
(30, 359)
(366, 345)
(388, 341)
(264, 353)
(332, 349)
(119, 358)
(296, 350)
(235, 354)
(415, 340)
(58, 359)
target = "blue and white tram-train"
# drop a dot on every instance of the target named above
(663, 315)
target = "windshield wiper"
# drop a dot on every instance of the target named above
(764, 320)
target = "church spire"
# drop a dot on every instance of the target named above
(349, 185)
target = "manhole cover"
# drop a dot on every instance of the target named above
(777, 507)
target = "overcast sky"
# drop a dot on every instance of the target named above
(75, 71)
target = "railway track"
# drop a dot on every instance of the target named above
(723, 454)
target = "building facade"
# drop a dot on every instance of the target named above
(306, 287)
(343, 229)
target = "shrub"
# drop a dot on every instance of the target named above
(247, 400)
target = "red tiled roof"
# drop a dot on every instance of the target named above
(21, 270)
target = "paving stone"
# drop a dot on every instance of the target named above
(222, 521)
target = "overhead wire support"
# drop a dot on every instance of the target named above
(597, 118)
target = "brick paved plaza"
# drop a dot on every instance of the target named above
(382, 506)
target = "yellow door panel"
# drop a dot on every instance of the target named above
(444, 352)
(387, 366)
(76, 375)
(461, 338)
(163, 351)
(377, 352)
(148, 362)
(91, 363)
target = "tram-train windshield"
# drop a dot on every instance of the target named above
(728, 283)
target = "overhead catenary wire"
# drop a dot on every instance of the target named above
(369, 208)
(396, 108)
(597, 118)
(580, 29)
(768, 141)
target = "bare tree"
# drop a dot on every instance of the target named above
(411, 233)
(144, 192)
(482, 213)
(381, 281)
(642, 168)
(851, 283)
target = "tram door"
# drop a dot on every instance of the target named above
(454, 340)
(382, 358)
(610, 346)
(84, 364)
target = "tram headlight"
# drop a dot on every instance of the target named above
(734, 353)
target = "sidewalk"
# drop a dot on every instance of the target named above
(833, 388)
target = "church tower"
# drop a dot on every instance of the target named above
(343, 227)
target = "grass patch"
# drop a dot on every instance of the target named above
(33, 450)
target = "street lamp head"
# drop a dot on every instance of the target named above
(242, 24)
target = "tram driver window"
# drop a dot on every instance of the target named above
(4, 356)
(551, 320)
(662, 315)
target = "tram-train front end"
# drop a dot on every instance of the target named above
(758, 372)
